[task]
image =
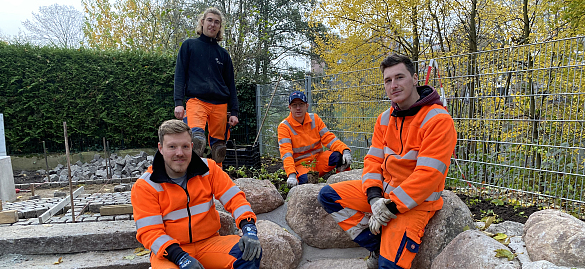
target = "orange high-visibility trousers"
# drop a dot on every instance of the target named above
(400, 239)
(200, 113)
(215, 252)
(322, 163)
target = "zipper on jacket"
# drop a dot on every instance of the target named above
(189, 216)
(401, 145)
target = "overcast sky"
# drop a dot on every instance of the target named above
(14, 12)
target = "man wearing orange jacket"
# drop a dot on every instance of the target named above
(301, 137)
(404, 171)
(175, 214)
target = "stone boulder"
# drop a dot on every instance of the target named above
(542, 265)
(335, 264)
(310, 221)
(510, 228)
(262, 194)
(280, 249)
(556, 237)
(445, 225)
(470, 250)
(345, 176)
(228, 224)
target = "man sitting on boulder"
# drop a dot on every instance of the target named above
(175, 214)
(404, 171)
(301, 137)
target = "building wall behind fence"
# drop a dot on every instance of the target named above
(519, 113)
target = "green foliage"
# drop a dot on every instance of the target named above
(120, 95)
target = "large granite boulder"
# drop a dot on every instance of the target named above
(309, 220)
(262, 194)
(280, 249)
(345, 176)
(473, 249)
(446, 224)
(510, 228)
(228, 225)
(556, 237)
(335, 264)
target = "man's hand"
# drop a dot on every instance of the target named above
(292, 180)
(249, 243)
(380, 211)
(346, 158)
(375, 225)
(188, 262)
(233, 121)
(179, 112)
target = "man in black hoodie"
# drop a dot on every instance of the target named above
(204, 79)
(404, 171)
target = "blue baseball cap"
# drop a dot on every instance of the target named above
(297, 95)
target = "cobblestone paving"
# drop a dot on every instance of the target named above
(87, 208)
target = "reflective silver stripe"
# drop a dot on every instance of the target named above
(312, 116)
(309, 154)
(430, 162)
(153, 184)
(305, 148)
(145, 175)
(241, 210)
(206, 163)
(343, 214)
(356, 230)
(389, 151)
(290, 127)
(433, 197)
(404, 198)
(332, 141)
(433, 112)
(411, 155)
(161, 240)
(323, 131)
(284, 141)
(152, 220)
(229, 194)
(385, 119)
(182, 213)
(376, 152)
(374, 176)
(286, 155)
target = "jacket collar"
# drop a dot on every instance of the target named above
(428, 96)
(159, 175)
(207, 39)
(294, 122)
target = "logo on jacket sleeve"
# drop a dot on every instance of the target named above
(218, 62)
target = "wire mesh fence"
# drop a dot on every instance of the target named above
(518, 111)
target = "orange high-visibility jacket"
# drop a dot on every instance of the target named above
(165, 213)
(410, 154)
(299, 143)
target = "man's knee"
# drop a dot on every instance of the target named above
(303, 179)
(328, 197)
(240, 263)
(335, 159)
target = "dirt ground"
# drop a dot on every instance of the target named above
(480, 208)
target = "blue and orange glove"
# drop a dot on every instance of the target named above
(249, 243)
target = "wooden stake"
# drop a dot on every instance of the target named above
(46, 162)
(69, 171)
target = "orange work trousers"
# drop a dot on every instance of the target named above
(322, 163)
(400, 239)
(215, 252)
(200, 113)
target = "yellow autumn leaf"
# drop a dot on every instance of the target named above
(142, 253)
(138, 249)
(60, 260)
(500, 236)
(129, 257)
(504, 253)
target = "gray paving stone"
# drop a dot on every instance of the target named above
(90, 219)
(106, 218)
(122, 217)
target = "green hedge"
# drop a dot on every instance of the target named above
(122, 96)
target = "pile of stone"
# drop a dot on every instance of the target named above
(121, 167)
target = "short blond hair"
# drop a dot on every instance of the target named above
(202, 17)
(172, 127)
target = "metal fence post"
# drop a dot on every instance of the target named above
(308, 91)
(259, 117)
(2, 137)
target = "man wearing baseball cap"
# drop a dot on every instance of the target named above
(301, 137)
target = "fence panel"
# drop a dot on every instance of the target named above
(519, 113)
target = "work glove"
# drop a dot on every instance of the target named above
(380, 213)
(249, 243)
(292, 180)
(188, 262)
(346, 160)
(375, 225)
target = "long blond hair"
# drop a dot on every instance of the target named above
(202, 16)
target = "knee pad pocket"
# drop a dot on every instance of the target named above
(335, 159)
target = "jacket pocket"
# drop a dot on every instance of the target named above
(411, 243)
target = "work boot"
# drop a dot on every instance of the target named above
(372, 261)
(199, 143)
(218, 151)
